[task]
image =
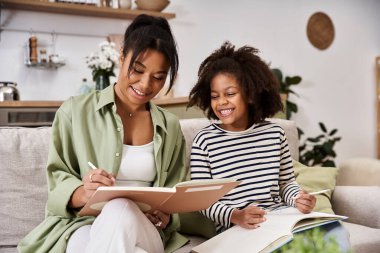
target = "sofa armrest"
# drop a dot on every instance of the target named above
(359, 172)
(360, 203)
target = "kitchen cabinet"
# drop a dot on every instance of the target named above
(78, 9)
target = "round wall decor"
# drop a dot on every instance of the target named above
(320, 30)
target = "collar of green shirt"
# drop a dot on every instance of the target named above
(107, 96)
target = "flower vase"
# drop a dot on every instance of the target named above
(102, 81)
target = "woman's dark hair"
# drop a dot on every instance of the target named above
(148, 32)
(259, 86)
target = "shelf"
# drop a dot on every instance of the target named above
(32, 104)
(78, 9)
(46, 65)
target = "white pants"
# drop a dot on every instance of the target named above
(120, 227)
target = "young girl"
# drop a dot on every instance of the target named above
(237, 88)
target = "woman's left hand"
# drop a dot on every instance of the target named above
(159, 219)
(305, 202)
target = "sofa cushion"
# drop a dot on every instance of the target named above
(363, 239)
(359, 203)
(315, 179)
(23, 190)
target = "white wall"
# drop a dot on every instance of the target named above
(338, 83)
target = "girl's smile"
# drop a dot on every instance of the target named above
(228, 102)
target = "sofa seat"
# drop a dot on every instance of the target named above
(366, 239)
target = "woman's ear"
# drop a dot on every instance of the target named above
(121, 57)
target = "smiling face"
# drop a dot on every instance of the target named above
(228, 102)
(145, 80)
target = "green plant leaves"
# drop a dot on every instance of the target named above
(319, 150)
(322, 126)
(285, 88)
(293, 80)
(311, 241)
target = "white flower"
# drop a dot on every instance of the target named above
(104, 60)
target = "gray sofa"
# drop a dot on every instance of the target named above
(23, 154)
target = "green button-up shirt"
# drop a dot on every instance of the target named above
(87, 128)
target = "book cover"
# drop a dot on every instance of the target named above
(186, 196)
(276, 231)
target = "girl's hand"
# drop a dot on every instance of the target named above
(305, 202)
(159, 219)
(249, 217)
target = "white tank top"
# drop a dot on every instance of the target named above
(137, 166)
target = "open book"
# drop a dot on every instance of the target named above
(276, 231)
(186, 196)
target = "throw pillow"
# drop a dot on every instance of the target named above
(315, 179)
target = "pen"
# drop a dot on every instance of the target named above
(314, 193)
(319, 192)
(91, 165)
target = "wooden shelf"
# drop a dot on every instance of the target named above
(18, 104)
(36, 103)
(78, 9)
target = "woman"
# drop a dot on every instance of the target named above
(130, 140)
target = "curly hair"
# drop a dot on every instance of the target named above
(259, 86)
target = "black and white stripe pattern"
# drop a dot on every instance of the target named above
(258, 156)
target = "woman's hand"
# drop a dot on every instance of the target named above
(94, 179)
(91, 181)
(305, 202)
(249, 217)
(159, 219)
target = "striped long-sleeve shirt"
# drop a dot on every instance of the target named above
(259, 157)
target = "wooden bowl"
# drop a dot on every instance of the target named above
(152, 5)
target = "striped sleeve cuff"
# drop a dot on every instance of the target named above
(219, 213)
(289, 192)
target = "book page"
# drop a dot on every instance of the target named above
(272, 234)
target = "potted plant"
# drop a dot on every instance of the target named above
(319, 150)
(102, 63)
(285, 88)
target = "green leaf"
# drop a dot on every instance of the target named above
(333, 132)
(313, 139)
(292, 106)
(293, 80)
(322, 126)
(328, 163)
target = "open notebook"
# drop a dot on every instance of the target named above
(276, 231)
(186, 196)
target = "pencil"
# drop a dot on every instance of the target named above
(319, 192)
(91, 165)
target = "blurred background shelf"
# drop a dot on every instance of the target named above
(78, 9)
